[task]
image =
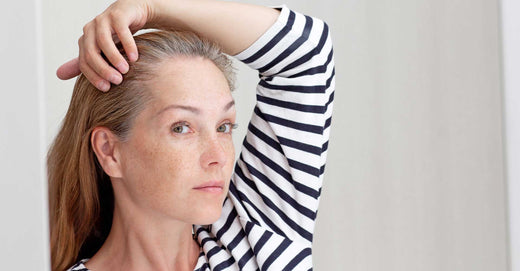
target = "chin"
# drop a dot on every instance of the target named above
(208, 216)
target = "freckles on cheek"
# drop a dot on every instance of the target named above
(144, 166)
(165, 166)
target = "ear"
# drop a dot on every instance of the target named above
(105, 146)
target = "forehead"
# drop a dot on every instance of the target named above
(195, 81)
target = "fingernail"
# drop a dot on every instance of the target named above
(116, 79)
(132, 57)
(103, 86)
(122, 67)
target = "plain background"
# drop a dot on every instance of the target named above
(416, 178)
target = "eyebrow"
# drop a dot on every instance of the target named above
(193, 109)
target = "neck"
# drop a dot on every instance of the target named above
(140, 242)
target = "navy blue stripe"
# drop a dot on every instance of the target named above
(300, 208)
(203, 267)
(213, 251)
(315, 70)
(322, 169)
(288, 221)
(233, 189)
(276, 253)
(291, 105)
(315, 51)
(299, 145)
(297, 106)
(226, 225)
(279, 36)
(294, 88)
(331, 98)
(239, 237)
(199, 230)
(207, 239)
(249, 226)
(261, 242)
(328, 122)
(292, 48)
(289, 123)
(264, 217)
(304, 167)
(245, 258)
(325, 146)
(225, 264)
(265, 138)
(234, 192)
(297, 259)
(281, 171)
(282, 194)
(300, 88)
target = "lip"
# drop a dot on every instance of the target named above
(211, 187)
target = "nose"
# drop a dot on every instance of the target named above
(214, 153)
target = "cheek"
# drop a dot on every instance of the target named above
(155, 169)
(229, 148)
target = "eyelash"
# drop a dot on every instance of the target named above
(233, 126)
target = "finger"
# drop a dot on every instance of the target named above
(106, 44)
(94, 78)
(69, 69)
(127, 40)
(91, 54)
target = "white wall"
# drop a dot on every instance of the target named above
(415, 179)
(23, 208)
(511, 70)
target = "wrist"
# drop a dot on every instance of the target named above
(167, 14)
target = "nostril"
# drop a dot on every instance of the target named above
(214, 153)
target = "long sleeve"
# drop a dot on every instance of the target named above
(268, 218)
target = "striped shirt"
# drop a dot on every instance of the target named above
(268, 217)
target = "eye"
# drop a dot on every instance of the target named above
(226, 127)
(180, 128)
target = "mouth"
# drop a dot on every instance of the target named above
(211, 187)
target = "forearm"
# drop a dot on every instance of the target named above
(234, 26)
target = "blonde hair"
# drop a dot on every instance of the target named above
(80, 193)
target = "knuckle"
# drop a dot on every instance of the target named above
(87, 57)
(87, 27)
(93, 79)
(115, 15)
(82, 66)
(98, 19)
(100, 38)
(106, 72)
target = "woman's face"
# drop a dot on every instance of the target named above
(179, 157)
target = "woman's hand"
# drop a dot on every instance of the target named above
(117, 23)
(234, 26)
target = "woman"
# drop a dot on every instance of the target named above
(158, 192)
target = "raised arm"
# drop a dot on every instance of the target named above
(268, 221)
(234, 26)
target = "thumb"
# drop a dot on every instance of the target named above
(69, 70)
